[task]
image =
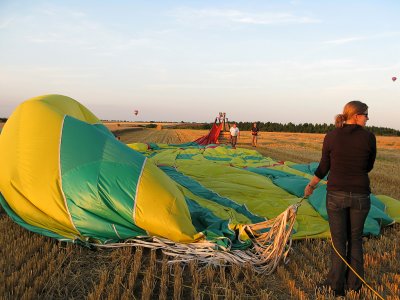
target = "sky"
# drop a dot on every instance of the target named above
(277, 61)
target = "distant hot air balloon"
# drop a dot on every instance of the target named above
(394, 79)
(136, 112)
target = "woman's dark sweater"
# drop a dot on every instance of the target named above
(348, 154)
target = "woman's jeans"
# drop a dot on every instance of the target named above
(233, 141)
(347, 213)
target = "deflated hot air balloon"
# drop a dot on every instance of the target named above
(64, 175)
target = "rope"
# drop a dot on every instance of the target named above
(354, 271)
(344, 260)
(271, 241)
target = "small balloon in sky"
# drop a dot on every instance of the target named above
(136, 112)
(394, 79)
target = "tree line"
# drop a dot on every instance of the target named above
(291, 127)
(310, 128)
(279, 127)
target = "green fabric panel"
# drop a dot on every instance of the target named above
(201, 216)
(103, 129)
(187, 145)
(253, 157)
(99, 180)
(377, 203)
(380, 216)
(218, 158)
(293, 184)
(220, 211)
(287, 169)
(214, 229)
(371, 227)
(199, 190)
(166, 157)
(154, 146)
(27, 226)
(306, 168)
(82, 143)
(269, 172)
(185, 156)
(318, 201)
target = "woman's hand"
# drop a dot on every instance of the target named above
(309, 190)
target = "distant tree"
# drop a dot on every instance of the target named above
(279, 127)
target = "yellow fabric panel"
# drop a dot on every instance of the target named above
(166, 157)
(141, 147)
(34, 184)
(192, 151)
(239, 161)
(393, 206)
(310, 223)
(241, 232)
(287, 169)
(68, 106)
(160, 207)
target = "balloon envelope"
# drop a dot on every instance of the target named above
(394, 78)
(135, 112)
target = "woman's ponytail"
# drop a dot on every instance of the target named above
(339, 120)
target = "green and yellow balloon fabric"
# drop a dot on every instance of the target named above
(64, 175)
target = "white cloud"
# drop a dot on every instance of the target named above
(60, 11)
(77, 30)
(345, 40)
(237, 16)
(5, 23)
(361, 38)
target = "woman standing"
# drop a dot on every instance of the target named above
(348, 154)
(254, 134)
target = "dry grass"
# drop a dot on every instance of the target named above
(123, 125)
(38, 267)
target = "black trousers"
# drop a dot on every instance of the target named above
(233, 141)
(347, 213)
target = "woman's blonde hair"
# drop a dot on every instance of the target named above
(350, 109)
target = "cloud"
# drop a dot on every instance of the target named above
(61, 11)
(5, 23)
(362, 38)
(345, 40)
(78, 30)
(237, 16)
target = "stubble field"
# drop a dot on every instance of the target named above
(34, 267)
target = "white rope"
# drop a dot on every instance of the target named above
(271, 243)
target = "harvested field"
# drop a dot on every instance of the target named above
(38, 267)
